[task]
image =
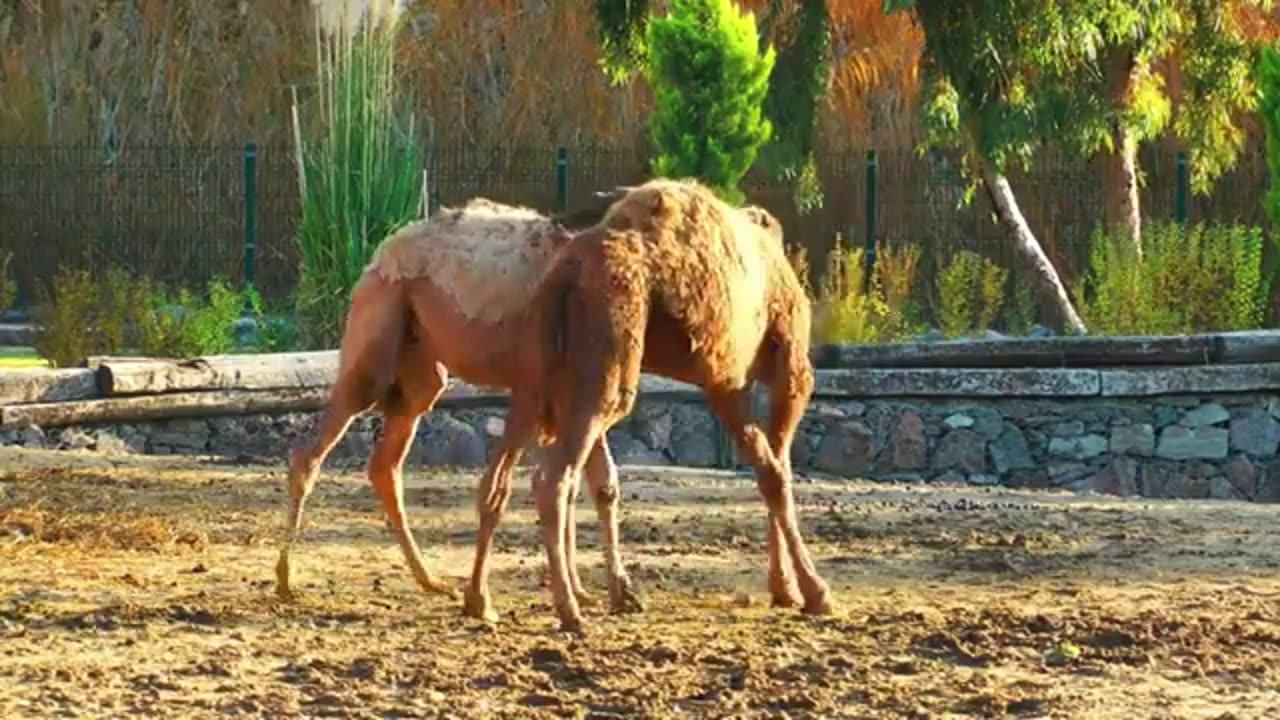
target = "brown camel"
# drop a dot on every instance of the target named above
(444, 295)
(675, 283)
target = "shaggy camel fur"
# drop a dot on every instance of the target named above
(442, 296)
(671, 282)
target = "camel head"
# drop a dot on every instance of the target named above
(650, 204)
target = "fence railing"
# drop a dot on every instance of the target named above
(182, 214)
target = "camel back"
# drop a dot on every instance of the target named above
(718, 270)
(487, 257)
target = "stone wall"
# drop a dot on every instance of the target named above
(1173, 446)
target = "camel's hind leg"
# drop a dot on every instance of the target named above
(602, 394)
(371, 344)
(773, 478)
(351, 395)
(602, 482)
(571, 543)
(562, 464)
(421, 381)
(492, 496)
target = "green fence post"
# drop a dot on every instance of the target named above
(562, 178)
(872, 171)
(250, 211)
(1182, 189)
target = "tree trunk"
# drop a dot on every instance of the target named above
(1121, 211)
(1051, 288)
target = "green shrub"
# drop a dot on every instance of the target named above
(8, 288)
(117, 311)
(709, 76)
(116, 314)
(847, 310)
(970, 294)
(1200, 278)
(1268, 77)
(209, 323)
(1021, 310)
(275, 332)
(63, 318)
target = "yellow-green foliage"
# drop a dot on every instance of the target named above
(63, 319)
(848, 310)
(799, 257)
(970, 293)
(895, 271)
(8, 289)
(1020, 312)
(118, 308)
(115, 314)
(1188, 279)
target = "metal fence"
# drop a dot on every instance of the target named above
(181, 214)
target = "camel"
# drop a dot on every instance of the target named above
(672, 282)
(442, 296)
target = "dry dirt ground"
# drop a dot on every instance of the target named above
(142, 586)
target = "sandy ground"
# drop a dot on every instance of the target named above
(142, 586)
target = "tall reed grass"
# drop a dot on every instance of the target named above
(359, 159)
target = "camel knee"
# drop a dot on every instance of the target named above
(606, 495)
(495, 503)
(304, 466)
(773, 488)
(553, 489)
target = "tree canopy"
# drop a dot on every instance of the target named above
(709, 77)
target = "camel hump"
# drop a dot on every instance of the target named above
(486, 256)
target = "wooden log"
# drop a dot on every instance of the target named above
(44, 385)
(1056, 352)
(652, 389)
(124, 377)
(161, 407)
(217, 372)
(93, 362)
(210, 403)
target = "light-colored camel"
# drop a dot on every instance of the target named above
(446, 296)
(441, 296)
(673, 282)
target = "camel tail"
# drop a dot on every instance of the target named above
(553, 325)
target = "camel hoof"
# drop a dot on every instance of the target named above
(478, 606)
(623, 600)
(789, 599)
(436, 587)
(573, 626)
(819, 606)
(585, 599)
(282, 581)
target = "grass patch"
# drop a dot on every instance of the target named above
(12, 358)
